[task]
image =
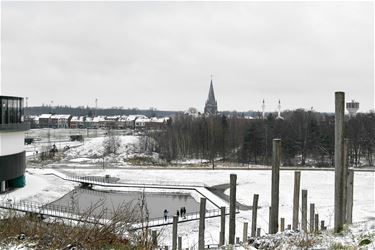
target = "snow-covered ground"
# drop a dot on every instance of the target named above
(93, 150)
(320, 186)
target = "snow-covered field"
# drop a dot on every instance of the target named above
(320, 186)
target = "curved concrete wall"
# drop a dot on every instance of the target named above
(12, 143)
(12, 166)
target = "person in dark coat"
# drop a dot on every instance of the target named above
(165, 214)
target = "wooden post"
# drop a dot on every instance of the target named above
(269, 220)
(276, 152)
(232, 208)
(254, 215)
(304, 210)
(349, 201)
(222, 227)
(322, 227)
(154, 238)
(179, 243)
(345, 178)
(244, 236)
(202, 217)
(312, 214)
(282, 224)
(258, 232)
(339, 161)
(316, 223)
(297, 184)
(174, 232)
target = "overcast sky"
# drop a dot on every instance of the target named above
(161, 54)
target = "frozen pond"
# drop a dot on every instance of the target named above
(83, 199)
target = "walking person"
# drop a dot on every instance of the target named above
(181, 212)
(165, 214)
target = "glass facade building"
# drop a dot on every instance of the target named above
(11, 110)
(12, 153)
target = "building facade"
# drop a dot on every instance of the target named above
(12, 153)
(211, 105)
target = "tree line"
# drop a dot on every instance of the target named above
(307, 138)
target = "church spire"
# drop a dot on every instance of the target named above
(211, 93)
(211, 104)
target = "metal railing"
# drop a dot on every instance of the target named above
(98, 180)
(188, 217)
(52, 210)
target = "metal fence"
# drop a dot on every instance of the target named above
(52, 210)
(98, 180)
(188, 217)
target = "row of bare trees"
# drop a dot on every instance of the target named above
(308, 138)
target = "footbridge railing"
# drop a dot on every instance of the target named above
(50, 210)
(162, 221)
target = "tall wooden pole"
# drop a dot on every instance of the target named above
(154, 238)
(339, 161)
(202, 218)
(304, 210)
(282, 224)
(276, 152)
(254, 215)
(349, 202)
(269, 220)
(245, 228)
(297, 187)
(179, 245)
(232, 209)
(312, 217)
(345, 178)
(174, 232)
(222, 227)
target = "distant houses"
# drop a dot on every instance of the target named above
(138, 122)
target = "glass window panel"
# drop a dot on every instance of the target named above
(5, 111)
(21, 110)
(1, 111)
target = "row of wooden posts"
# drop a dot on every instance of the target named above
(313, 225)
(343, 204)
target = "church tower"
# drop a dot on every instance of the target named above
(211, 105)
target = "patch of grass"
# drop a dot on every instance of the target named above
(38, 233)
(340, 246)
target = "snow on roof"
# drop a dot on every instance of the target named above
(113, 118)
(98, 119)
(60, 116)
(142, 119)
(134, 117)
(77, 119)
(159, 120)
(45, 116)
